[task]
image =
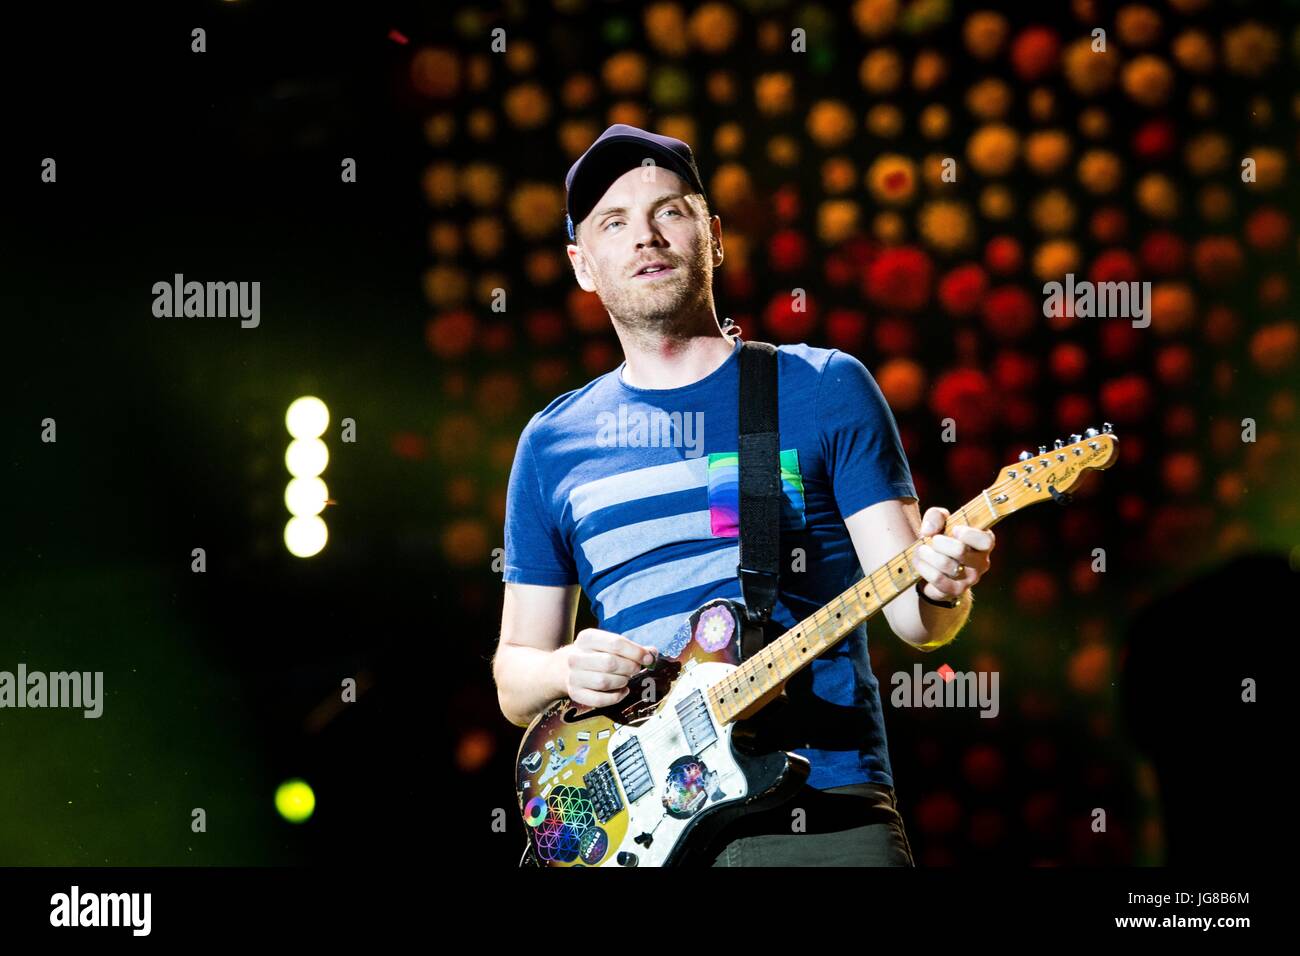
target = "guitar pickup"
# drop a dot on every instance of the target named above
(693, 714)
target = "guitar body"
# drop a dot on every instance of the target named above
(651, 780)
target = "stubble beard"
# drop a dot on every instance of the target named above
(664, 309)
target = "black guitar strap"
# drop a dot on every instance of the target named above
(760, 481)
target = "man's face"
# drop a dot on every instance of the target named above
(645, 217)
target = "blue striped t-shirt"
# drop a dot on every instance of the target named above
(632, 493)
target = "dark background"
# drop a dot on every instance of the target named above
(221, 166)
(224, 166)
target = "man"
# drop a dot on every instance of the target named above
(643, 519)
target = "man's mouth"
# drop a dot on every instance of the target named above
(652, 270)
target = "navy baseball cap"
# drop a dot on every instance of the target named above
(615, 151)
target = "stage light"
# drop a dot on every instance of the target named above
(295, 800)
(306, 457)
(305, 535)
(307, 417)
(305, 497)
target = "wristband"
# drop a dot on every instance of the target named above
(920, 589)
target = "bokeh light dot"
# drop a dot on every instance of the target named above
(306, 457)
(307, 417)
(295, 800)
(305, 536)
(305, 496)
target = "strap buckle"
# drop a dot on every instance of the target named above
(758, 590)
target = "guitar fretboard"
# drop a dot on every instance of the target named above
(763, 674)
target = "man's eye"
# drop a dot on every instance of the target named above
(672, 210)
(612, 222)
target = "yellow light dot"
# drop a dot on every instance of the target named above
(305, 496)
(307, 417)
(305, 536)
(306, 457)
(295, 800)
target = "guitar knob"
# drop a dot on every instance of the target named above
(626, 859)
(1075, 438)
(1024, 455)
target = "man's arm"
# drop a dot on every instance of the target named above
(536, 627)
(539, 660)
(883, 530)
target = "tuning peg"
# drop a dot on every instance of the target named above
(1076, 437)
(1090, 432)
(1042, 449)
(1106, 427)
(1024, 455)
(1058, 444)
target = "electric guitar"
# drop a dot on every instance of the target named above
(650, 780)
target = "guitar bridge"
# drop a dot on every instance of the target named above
(605, 801)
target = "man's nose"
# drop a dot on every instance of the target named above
(650, 236)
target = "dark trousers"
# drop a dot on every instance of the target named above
(856, 825)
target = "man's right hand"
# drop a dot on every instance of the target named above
(596, 667)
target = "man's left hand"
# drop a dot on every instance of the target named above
(952, 562)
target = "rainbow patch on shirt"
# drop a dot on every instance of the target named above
(724, 493)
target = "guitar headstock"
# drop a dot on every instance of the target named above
(1053, 471)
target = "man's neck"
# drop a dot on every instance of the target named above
(659, 363)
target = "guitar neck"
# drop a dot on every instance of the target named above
(758, 681)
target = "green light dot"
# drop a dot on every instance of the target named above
(618, 31)
(295, 800)
(823, 59)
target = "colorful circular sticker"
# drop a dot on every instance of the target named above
(535, 812)
(688, 787)
(714, 628)
(593, 845)
(559, 836)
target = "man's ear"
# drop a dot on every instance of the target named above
(578, 259)
(716, 240)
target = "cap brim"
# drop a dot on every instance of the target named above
(610, 160)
